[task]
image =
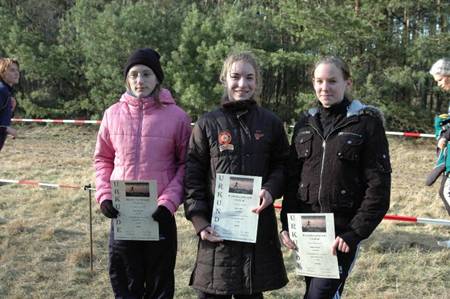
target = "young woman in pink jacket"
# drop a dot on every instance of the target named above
(144, 136)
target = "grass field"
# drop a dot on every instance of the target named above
(44, 241)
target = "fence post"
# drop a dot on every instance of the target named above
(91, 256)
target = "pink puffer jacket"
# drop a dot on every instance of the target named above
(139, 140)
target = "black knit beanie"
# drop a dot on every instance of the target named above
(148, 57)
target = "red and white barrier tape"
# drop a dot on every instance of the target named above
(417, 220)
(410, 134)
(58, 121)
(97, 122)
(39, 184)
(403, 218)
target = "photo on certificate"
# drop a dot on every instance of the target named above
(137, 189)
(136, 201)
(234, 198)
(314, 224)
(241, 185)
(314, 234)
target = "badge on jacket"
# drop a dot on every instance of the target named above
(259, 134)
(225, 141)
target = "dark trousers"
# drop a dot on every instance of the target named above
(3, 135)
(327, 288)
(445, 192)
(202, 295)
(144, 269)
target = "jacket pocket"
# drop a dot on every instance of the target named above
(349, 146)
(345, 200)
(303, 193)
(303, 143)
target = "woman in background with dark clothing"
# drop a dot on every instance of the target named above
(9, 76)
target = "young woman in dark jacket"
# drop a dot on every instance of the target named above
(339, 163)
(238, 138)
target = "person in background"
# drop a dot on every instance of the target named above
(143, 136)
(339, 163)
(240, 138)
(440, 71)
(9, 76)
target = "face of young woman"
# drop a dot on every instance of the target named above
(12, 75)
(141, 80)
(241, 81)
(329, 84)
(442, 81)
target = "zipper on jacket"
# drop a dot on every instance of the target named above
(243, 125)
(138, 139)
(324, 145)
(349, 133)
(247, 134)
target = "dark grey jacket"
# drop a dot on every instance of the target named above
(258, 147)
(346, 172)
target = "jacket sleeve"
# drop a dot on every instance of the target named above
(279, 154)
(172, 196)
(377, 176)
(103, 162)
(197, 178)
(293, 170)
(5, 108)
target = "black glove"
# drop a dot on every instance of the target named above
(162, 214)
(108, 210)
(165, 219)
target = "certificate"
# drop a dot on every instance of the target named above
(314, 234)
(136, 201)
(234, 198)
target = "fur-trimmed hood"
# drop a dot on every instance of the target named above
(356, 107)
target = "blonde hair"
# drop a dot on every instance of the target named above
(5, 63)
(340, 64)
(245, 57)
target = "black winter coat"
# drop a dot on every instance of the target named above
(345, 172)
(239, 138)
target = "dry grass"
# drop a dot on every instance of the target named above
(44, 244)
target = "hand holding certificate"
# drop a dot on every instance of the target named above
(314, 235)
(235, 197)
(136, 201)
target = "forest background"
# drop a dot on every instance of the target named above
(72, 52)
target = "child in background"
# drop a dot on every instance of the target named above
(144, 136)
(9, 76)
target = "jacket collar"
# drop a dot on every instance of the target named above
(235, 106)
(165, 98)
(354, 108)
(9, 88)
